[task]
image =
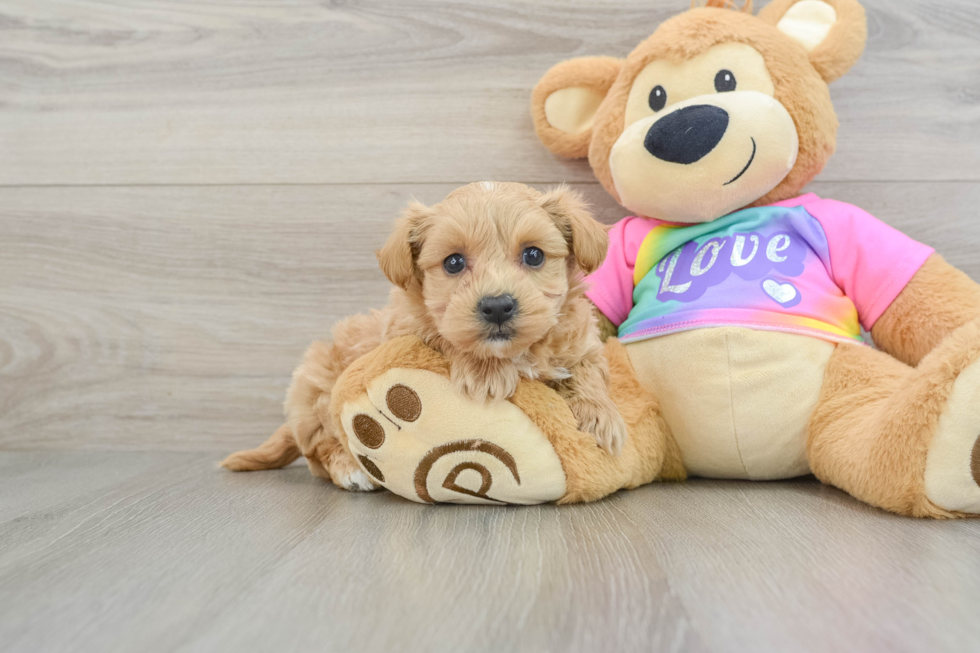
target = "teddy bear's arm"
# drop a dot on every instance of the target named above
(938, 300)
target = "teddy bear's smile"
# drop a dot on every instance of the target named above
(725, 149)
(748, 165)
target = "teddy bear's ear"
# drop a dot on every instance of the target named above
(565, 102)
(833, 32)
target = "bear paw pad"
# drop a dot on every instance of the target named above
(414, 434)
(952, 478)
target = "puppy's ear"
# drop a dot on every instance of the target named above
(565, 101)
(587, 238)
(833, 32)
(397, 255)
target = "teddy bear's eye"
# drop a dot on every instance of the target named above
(725, 81)
(658, 98)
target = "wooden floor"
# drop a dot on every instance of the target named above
(192, 190)
(159, 552)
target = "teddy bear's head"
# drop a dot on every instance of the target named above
(716, 111)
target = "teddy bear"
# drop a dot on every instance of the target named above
(740, 301)
(737, 302)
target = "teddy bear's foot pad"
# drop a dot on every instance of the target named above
(975, 462)
(415, 435)
(952, 478)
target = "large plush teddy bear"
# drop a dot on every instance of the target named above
(737, 301)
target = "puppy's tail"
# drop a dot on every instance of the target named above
(278, 451)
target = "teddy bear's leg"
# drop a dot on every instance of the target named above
(901, 438)
(416, 435)
(412, 432)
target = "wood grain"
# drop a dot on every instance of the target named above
(160, 552)
(170, 318)
(215, 92)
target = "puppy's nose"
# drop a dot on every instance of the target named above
(687, 135)
(497, 310)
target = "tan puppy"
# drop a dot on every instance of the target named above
(492, 278)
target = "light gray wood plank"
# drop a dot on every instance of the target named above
(175, 555)
(362, 92)
(848, 577)
(170, 318)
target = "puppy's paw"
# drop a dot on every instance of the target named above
(486, 384)
(345, 473)
(603, 421)
(338, 465)
(355, 481)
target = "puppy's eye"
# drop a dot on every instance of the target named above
(454, 264)
(725, 81)
(658, 98)
(533, 257)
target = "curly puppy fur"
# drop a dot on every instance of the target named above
(553, 335)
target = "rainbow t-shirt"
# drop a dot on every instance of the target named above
(807, 265)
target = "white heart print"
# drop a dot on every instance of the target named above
(783, 293)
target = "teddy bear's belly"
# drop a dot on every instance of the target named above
(737, 400)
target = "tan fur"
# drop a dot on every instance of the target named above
(278, 451)
(876, 417)
(798, 88)
(649, 452)
(397, 256)
(723, 4)
(871, 430)
(607, 329)
(800, 81)
(553, 337)
(594, 73)
(938, 300)
(587, 236)
(313, 380)
(843, 45)
(401, 352)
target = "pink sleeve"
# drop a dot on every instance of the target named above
(612, 284)
(870, 261)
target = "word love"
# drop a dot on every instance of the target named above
(689, 271)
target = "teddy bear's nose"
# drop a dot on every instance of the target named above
(687, 135)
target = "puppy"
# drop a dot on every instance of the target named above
(491, 277)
